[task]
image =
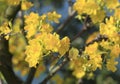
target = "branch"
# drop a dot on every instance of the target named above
(54, 71)
(62, 26)
(5, 55)
(85, 27)
(70, 8)
(97, 39)
(30, 75)
(9, 75)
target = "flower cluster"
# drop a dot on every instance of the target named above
(41, 39)
(5, 30)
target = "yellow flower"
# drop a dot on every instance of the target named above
(111, 65)
(109, 28)
(89, 7)
(94, 57)
(95, 61)
(73, 53)
(77, 64)
(53, 16)
(45, 27)
(79, 6)
(32, 22)
(52, 42)
(105, 44)
(4, 29)
(31, 30)
(95, 18)
(33, 52)
(33, 18)
(92, 36)
(91, 48)
(117, 13)
(79, 73)
(112, 4)
(26, 5)
(115, 51)
(64, 46)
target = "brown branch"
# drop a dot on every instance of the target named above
(70, 7)
(85, 27)
(97, 39)
(30, 75)
(5, 55)
(9, 75)
(54, 71)
(62, 26)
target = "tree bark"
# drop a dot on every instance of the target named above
(5, 56)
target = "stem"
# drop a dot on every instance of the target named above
(70, 4)
(53, 72)
(84, 28)
(62, 26)
(97, 39)
(30, 76)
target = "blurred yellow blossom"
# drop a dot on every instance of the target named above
(112, 4)
(111, 65)
(79, 73)
(81, 6)
(117, 13)
(115, 51)
(64, 45)
(91, 49)
(96, 19)
(33, 52)
(26, 5)
(109, 29)
(4, 29)
(53, 16)
(31, 24)
(46, 28)
(73, 53)
(33, 18)
(52, 42)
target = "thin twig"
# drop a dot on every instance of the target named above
(70, 8)
(30, 76)
(53, 72)
(97, 39)
(84, 28)
(62, 26)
